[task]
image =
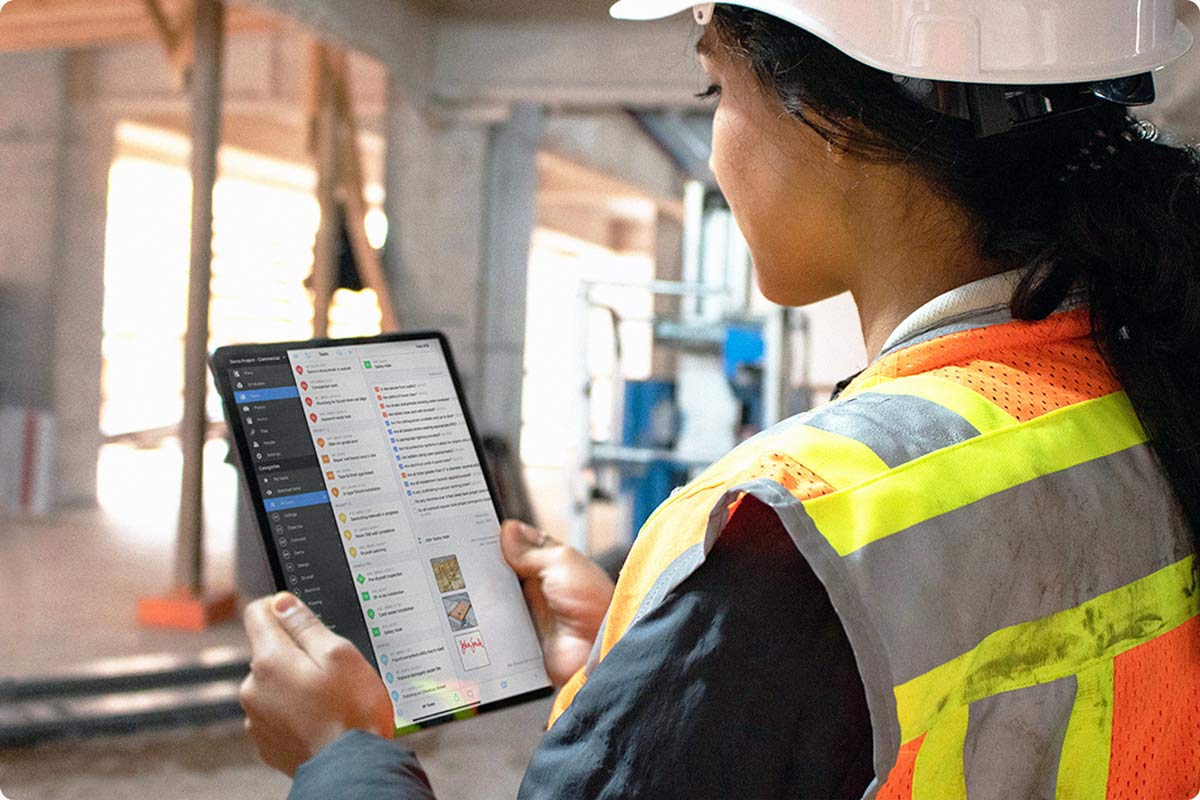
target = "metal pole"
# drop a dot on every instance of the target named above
(206, 136)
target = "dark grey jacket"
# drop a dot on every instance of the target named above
(741, 684)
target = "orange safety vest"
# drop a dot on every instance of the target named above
(1012, 569)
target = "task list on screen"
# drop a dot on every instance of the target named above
(415, 530)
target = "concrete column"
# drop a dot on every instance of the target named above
(55, 159)
(435, 177)
(461, 195)
(511, 212)
(79, 305)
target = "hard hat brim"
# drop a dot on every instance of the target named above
(968, 69)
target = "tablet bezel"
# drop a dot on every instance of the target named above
(219, 366)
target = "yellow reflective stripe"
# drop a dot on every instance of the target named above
(938, 771)
(1053, 647)
(969, 404)
(1083, 767)
(838, 460)
(959, 475)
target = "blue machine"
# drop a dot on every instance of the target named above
(651, 421)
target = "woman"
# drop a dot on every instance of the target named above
(971, 575)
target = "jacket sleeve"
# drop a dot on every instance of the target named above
(362, 766)
(741, 684)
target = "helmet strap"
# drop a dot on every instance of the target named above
(995, 109)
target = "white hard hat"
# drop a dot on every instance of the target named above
(1007, 42)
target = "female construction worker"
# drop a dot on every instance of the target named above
(973, 573)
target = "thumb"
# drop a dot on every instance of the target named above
(525, 549)
(300, 623)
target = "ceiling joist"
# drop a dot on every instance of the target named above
(70, 24)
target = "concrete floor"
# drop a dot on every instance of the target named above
(69, 585)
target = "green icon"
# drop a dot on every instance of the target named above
(367, 364)
(374, 631)
(362, 579)
(366, 595)
(371, 613)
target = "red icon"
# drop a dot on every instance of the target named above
(385, 413)
(403, 474)
(320, 442)
(313, 417)
(378, 397)
(377, 388)
(304, 385)
(381, 405)
(308, 402)
(299, 370)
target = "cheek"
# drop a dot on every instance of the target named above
(737, 164)
(783, 205)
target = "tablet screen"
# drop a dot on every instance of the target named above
(381, 518)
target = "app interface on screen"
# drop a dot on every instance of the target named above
(381, 518)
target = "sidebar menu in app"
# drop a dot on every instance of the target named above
(304, 532)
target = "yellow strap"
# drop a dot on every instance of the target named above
(1053, 647)
(1083, 767)
(938, 772)
(969, 471)
(969, 404)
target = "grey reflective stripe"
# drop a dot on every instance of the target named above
(593, 659)
(1014, 741)
(898, 428)
(1042, 547)
(976, 318)
(846, 600)
(676, 573)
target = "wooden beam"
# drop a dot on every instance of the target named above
(325, 250)
(68, 24)
(370, 267)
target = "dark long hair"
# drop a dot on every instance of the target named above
(1121, 219)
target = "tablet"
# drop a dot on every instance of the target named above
(374, 503)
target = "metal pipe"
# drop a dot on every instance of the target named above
(206, 138)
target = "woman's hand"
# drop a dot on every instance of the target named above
(307, 686)
(567, 593)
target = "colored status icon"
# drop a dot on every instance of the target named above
(375, 631)
(378, 397)
(308, 402)
(371, 613)
(337, 493)
(342, 517)
(348, 535)
(389, 677)
(304, 385)
(395, 695)
(367, 364)
(384, 659)
(299, 370)
(361, 579)
(329, 475)
(367, 596)
(313, 417)
(354, 552)
(324, 459)
(320, 442)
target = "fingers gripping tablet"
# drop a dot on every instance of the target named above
(374, 504)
